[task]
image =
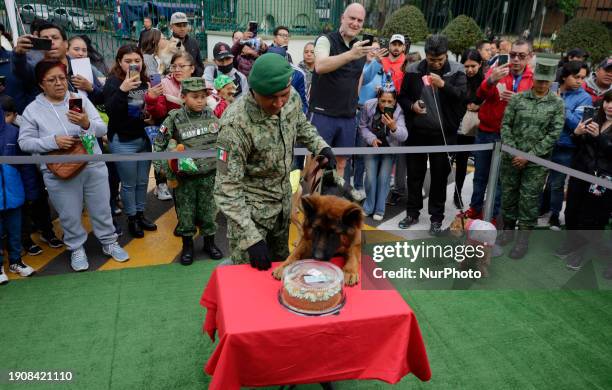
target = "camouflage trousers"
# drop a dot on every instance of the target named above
(521, 190)
(276, 238)
(195, 205)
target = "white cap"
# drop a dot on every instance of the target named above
(178, 17)
(397, 37)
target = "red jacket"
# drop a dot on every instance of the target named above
(159, 107)
(492, 109)
(396, 69)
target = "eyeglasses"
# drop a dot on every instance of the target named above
(283, 35)
(521, 56)
(181, 67)
(53, 80)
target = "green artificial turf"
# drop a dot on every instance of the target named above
(142, 329)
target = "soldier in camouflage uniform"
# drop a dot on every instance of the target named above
(196, 127)
(255, 152)
(532, 123)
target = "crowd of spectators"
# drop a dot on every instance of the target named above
(355, 92)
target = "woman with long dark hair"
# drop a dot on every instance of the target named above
(124, 101)
(472, 62)
(588, 206)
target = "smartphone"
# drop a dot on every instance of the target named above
(75, 104)
(554, 87)
(253, 26)
(40, 43)
(588, 114)
(133, 71)
(389, 111)
(155, 79)
(369, 38)
(502, 59)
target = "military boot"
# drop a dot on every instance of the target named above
(187, 253)
(209, 247)
(521, 246)
(508, 233)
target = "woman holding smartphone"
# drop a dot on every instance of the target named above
(382, 124)
(124, 101)
(163, 98)
(588, 206)
(49, 125)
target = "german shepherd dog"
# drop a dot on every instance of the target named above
(331, 226)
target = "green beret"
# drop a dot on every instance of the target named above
(270, 73)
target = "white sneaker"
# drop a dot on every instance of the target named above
(378, 217)
(22, 269)
(3, 277)
(78, 260)
(162, 192)
(115, 251)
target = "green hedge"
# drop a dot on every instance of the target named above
(462, 33)
(407, 20)
(586, 34)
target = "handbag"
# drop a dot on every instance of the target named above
(469, 124)
(67, 170)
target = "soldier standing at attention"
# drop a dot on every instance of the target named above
(532, 123)
(196, 127)
(255, 150)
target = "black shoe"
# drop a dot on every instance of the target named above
(458, 201)
(553, 221)
(521, 246)
(51, 240)
(187, 253)
(574, 262)
(209, 247)
(394, 198)
(31, 248)
(134, 227)
(435, 229)
(407, 222)
(145, 223)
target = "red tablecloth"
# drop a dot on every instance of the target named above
(375, 336)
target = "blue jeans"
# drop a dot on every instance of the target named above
(377, 182)
(555, 183)
(10, 223)
(134, 175)
(482, 164)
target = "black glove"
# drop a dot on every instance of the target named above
(329, 162)
(259, 256)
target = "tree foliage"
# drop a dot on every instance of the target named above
(407, 20)
(462, 33)
(586, 34)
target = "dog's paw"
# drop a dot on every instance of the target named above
(278, 272)
(351, 278)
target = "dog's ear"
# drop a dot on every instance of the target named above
(353, 216)
(309, 207)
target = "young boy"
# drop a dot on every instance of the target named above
(12, 197)
(225, 92)
(196, 128)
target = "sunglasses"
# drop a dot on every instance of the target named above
(521, 56)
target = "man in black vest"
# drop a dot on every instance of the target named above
(339, 61)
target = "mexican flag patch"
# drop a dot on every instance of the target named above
(221, 154)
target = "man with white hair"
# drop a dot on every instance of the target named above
(339, 61)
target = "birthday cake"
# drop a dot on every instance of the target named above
(312, 287)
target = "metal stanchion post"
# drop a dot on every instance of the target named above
(492, 183)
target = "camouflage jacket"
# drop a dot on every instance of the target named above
(533, 124)
(195, 130)
(255, 152)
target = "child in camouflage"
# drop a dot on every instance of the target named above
(195, 127)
